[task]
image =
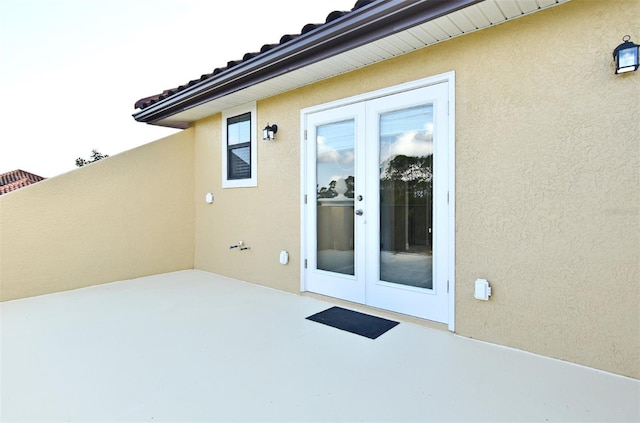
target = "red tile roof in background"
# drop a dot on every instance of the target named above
(17, 179)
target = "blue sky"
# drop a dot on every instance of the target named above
(71, 70)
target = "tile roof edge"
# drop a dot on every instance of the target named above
(152, 99)
(373, 20)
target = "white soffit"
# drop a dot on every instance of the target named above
(473, 18)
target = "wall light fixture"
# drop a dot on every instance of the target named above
(626, 56)
(269, 132)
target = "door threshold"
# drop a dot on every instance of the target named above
(392, 315)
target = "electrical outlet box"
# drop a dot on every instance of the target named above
(284, 257)
(483, 290)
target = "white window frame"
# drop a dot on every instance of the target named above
(230, 113)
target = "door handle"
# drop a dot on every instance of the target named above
(359, 212)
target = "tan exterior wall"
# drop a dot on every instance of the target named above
(547, 183)
(548, 194)
(265, 218)
(123, 217)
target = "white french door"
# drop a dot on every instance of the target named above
(335, 173)
(377, 217)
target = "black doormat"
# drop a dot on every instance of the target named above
(354, 322)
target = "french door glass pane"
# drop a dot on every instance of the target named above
(335, 179)
(406, 196)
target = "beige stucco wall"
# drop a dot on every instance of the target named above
(547, 183)
(266, 218)
(123, 217)
(548, 160)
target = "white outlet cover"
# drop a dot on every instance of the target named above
(482, 290)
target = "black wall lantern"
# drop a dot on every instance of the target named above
(626, 56)
(269, 132)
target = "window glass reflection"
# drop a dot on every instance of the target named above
(406, 196)
(335, 178)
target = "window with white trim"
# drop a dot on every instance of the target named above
(239, 149)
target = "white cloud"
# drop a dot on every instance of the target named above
(326, 153)
(413, 144)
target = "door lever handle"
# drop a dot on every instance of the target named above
(359, 212)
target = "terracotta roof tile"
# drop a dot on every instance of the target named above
(17, 179)
(148, 101)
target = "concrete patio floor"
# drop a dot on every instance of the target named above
(193, 346)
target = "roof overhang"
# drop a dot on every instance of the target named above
(367, 35)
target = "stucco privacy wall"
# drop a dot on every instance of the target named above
(547, 183)
(126, 216)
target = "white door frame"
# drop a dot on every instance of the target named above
(448, 78)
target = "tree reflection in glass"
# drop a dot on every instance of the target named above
(406, 196)
(335, 179)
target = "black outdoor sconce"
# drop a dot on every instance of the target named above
(269, 132)
(626, 56)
